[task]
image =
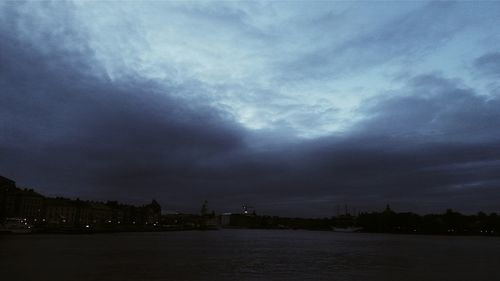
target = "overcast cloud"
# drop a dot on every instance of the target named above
(294, 108)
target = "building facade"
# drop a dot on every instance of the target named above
(62, 212)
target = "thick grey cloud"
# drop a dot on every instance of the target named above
(69, 128)
(489, 64)
(65, 122)
(430, 106)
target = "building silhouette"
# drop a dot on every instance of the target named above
(57, 213)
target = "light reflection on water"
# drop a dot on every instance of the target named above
(248, 255)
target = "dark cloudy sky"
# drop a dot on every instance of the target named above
(292, 107)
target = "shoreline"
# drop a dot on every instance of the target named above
(90, 232)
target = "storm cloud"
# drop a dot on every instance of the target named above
(83, 115)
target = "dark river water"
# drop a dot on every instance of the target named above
(248, 255)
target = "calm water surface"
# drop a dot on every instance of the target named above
(248, 255)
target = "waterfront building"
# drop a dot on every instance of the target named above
(60, 212)
(151, 213)
(225, 219)
(100, 214)
(6, 185)
(30, 206)
(20, 203)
